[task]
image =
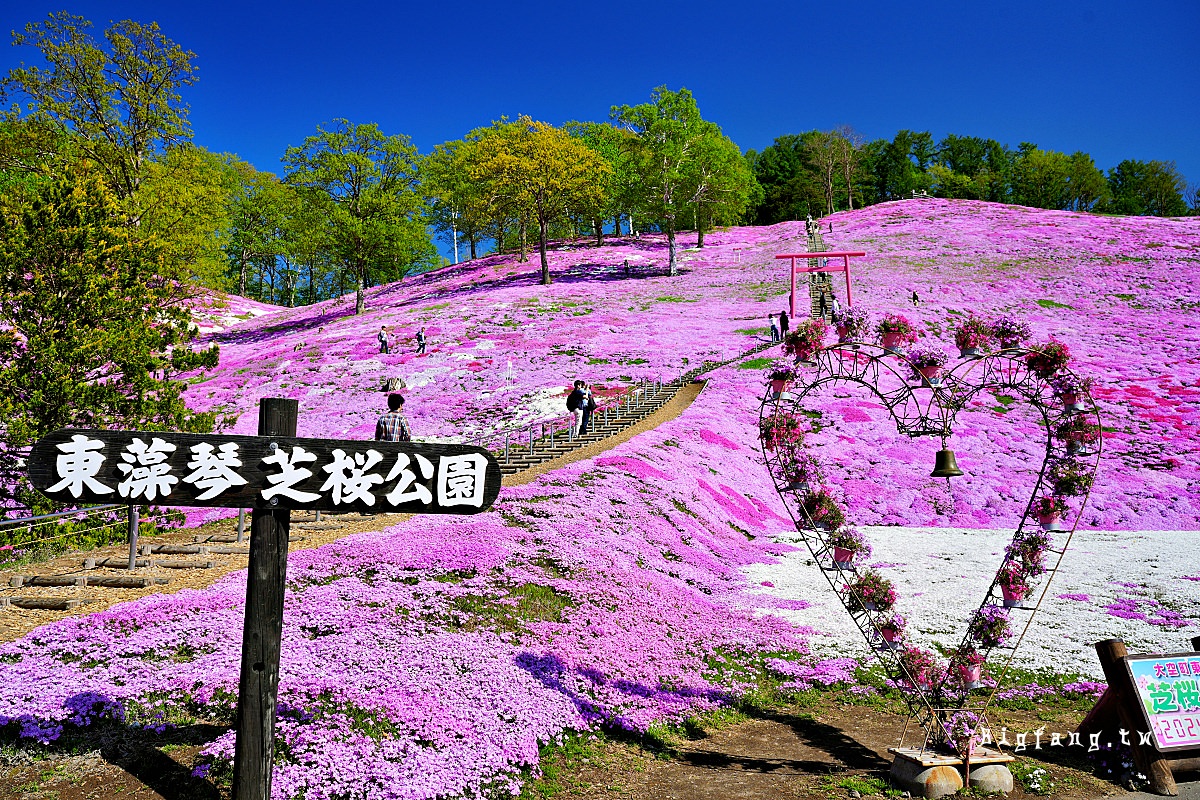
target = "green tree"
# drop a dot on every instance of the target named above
(1042, 179)
(721, 182)
(1147, 188)
(542, 173)
(87, 322)
(377, 217)
(789, 185)
(669, 130)
(121, 99)
(1087, 187)
(615, 146)
(458, 204)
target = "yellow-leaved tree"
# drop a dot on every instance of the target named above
(532, 169)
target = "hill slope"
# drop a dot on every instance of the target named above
(1119, 291)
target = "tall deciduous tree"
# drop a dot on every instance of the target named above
(1147, 187)
(721, 182)
(543, 173)
(377, 216)
(668, 129)
(459, 205)
(849, 147)
(121, 98)
(822, 151)
(87, 321)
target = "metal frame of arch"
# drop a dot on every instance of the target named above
(923, 409)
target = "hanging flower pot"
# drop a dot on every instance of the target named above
(1010, 332)
(1050, 522)
(1046, 360)
(847, 544)
(778, 387)
(1014, 598)
(843, 334)
(895, 330)
(972, 337)
(852, 323)
(972, 676)
(1071, 390)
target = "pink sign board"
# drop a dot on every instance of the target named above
(1168, 688)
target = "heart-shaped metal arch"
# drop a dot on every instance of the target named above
(927, 409)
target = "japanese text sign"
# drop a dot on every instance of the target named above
(1168, 689)
(175, 469)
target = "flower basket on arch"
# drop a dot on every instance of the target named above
(966, 666)
(1069, 477)
(1014, 586)
(1049, 510)
(848, 544)
(871, 592)
(1070, 390)
(802, 472)
(782, 429)
(1077, 432)
(806, 339)
(990, 627)
(895, 330)
(925, 364)
(920, 668)
(780, 374)
(852, 324)
(823, 510)
(1010, 331)
(892, 631)
(1047, 359)
(972, 336)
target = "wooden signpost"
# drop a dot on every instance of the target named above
(1153, 702)
(272, 474)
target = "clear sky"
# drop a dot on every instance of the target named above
(1118, 80)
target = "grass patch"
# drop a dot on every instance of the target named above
(528, 602)
(756, 363)
(1052, 304)
(673, 299)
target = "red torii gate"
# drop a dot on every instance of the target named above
(845, 255)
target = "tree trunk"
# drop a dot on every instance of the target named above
(471, 240)
(599, 225)
(360, 302)
(242, 274)
(524, 241)
(542, 250)
(672, 264)
(617, 225)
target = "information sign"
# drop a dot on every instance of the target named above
(1168, 692)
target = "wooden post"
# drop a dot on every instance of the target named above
(1148, 760)
(133, 536)
(258, 686)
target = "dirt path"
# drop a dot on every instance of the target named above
(16, 622)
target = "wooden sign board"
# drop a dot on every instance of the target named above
(1168, 694)
(264, 472)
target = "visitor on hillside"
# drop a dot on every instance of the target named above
(588, 406)
(384, 343)
(783, 324)
(393, 426)
(420, 341)
(774, 328)
(823, 305)
(831, 227)
(837, 307)
(916, 301)
(627, 267)
(575, 406)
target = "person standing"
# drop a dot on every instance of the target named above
(421, 341)
(588, 406)
(916, 301)
(783, 324)
(575, 406)
(823, 305)
(384, 343)
(774, 328)
(393, 426)
(837, 307)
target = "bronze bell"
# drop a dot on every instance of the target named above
(945, 466)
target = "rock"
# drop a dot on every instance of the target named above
(855, 793)
(928, 782)
(992, 778)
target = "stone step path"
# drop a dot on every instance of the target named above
(606, 425)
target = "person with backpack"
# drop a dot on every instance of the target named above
(393, 426)
(575, 403)
(420, 341)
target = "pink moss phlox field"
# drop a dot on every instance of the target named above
(432, 659)
(1121, 292)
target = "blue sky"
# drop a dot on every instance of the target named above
(1117, 80)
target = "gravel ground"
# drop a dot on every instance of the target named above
(941, 573)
